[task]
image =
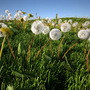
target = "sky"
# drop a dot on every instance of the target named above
(48, 8)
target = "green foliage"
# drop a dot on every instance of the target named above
(80, 80)
(46, 72)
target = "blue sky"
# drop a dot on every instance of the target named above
(48, 8)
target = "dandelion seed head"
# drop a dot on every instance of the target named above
(55, 34)
(26, 18)
(46, 30)
(6, 11)
(3, 25)
(65, 27)
(83, 34)
(37, 27)
(9, 14)
(75, 24)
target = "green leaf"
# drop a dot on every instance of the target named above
(19, 48)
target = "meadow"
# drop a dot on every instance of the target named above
(39, 66)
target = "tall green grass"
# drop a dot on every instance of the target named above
(46, 72)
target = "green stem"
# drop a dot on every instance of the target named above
(50, 46)
(2, 46)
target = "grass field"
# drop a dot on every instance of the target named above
(46, 72)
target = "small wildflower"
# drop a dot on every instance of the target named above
(21, 19)
(24, 12)
(30, 15)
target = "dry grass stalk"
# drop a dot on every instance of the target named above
(85, 48)
(87, 60)
(29, 48)
(60, 45)
(68, 50)
(42, 48)
(11, 48)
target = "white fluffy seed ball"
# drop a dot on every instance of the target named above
(9, 14)
(65, 27)
(37, 27)
(89, 34)
(83, 34)
(88, 30)
(46, 30)
(26, 18)
(19, 13)
(3, 25)
(75, 24)
(55, 34)
(6, 11)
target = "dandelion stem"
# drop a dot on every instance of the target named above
(29, 48)
(25, 24)
(85, 48)
(68, 50)
(2, 46)
(87, 60)
(42, 48)
(60, 45)
(55, 25)
(75, 29)
(11, 48)
(50, 46)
